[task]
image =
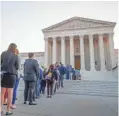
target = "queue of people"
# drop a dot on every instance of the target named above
(36, 79)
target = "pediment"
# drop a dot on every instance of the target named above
(78, 23)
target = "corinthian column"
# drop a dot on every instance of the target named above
(111, 49)
(102, 56)
(46, 53)
(54, 51)
(63, 50)
(72, 51)
(92, 61)
(82, 52)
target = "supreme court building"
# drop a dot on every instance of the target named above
(86, 44)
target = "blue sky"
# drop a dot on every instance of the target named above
(22, 22)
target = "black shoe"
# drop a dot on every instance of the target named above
(25, 102)
(31, 103)
(9, 113)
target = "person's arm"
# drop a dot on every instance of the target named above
(17, 62)
(1, 58)
(36, 68)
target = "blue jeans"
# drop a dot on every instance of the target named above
(61, 79)
(15, 90)
(67, 76)
(38, 87)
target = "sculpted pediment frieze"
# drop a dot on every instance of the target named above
(78, 23)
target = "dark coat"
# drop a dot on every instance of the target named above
(9, 62)
(31, 70)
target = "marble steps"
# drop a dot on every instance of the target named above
(97, 88)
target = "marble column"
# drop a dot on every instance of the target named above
(111, 50)
(54, 51)
(72, 51)
(92, 61)
(46, 53)
(102, 55)
(82, 52)
(63, 50)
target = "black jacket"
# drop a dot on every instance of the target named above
(9, 62)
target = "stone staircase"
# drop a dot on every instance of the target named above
(87, 87)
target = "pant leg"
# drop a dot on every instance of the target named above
(62, 79)
(59, 81)
(48, 84)
(39, 87)
(26, 90)
(51, 88)
(31, 91)
(43, 89)
(15, 91)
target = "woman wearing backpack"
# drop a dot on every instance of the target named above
(49, 79)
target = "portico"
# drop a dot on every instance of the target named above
(86, 44)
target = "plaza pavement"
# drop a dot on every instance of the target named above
(68, 105)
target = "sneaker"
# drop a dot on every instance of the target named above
(9, 113)
(25, 102)
(13, 107)
(31, 103)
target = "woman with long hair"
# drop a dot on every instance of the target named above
(16, 85)
(9, 68)
(51, 74)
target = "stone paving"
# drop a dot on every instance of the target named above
(68, 105)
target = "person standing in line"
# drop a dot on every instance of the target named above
(9, 68)
(16, 84)
(38, 85)
(62, 71)
(31, 73)
(56, 84)
(49, 79)
(70, 72)
(43, 82)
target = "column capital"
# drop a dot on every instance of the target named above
(111, 33)
(62, 38)
(101, 34)
(46, 39)
(81, 36)
(72, 36)
(90, 35)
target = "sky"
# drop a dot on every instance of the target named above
(22, 22)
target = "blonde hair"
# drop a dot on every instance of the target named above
(17, 52)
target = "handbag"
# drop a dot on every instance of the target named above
(3, 72)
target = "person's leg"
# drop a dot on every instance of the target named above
(51, 88)
(41, 86)
(15, 93)
(55, 87)
(10, 96)
(62, 79)
(59, 81)
(43, 90)
(31, 92)
(47, 88)
(5, 97)
(3, 90)
(38, 88)
(26, 91)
